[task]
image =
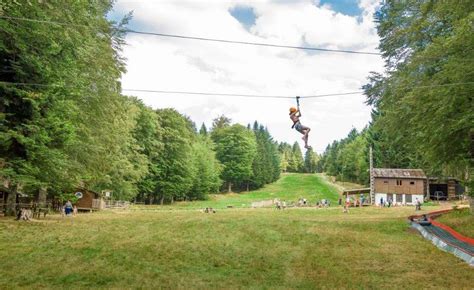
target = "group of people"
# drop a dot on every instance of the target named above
(389, 203)
(303, 202)
(280, 204)
(209, 210)
(386, 203)
(323, 203)
(348, 202)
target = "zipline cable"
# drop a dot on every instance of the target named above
(197, 93)
(202, 38)
(208, 94)
(252, 43)
(241, 95)
(214, 39)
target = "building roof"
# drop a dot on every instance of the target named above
(399, 173)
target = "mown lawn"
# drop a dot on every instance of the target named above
(233, 248)
(461, 220)
(290, 187)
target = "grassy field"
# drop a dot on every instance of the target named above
(289, 188)
(460, 220)
(233, 248)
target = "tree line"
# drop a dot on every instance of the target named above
(423, 109)
(64, 122)
(292, 159)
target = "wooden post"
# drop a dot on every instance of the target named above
(371, 170)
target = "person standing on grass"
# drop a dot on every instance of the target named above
(417, 204)
(347, 205)
(68, 208)
(340, 201)
(381, 202)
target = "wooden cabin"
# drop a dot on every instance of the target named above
(403, 186)
(89, 201)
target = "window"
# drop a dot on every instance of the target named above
(399, 182)
(385, 181)
(408, 198)
(400, 198)
(412, 183)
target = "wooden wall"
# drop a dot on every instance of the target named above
(451, 189)
(389, 185)
(86, 200)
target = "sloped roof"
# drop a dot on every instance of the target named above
(399, 173)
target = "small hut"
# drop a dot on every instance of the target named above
(89, 200)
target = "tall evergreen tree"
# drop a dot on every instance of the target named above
(203, 130)
(310, 161)
(296, 162)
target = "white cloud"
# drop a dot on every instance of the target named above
(186, 65)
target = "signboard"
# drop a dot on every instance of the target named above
(78, 194)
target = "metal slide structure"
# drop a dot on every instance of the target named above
(444, 237)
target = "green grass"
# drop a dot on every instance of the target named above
(460, 220)
(234, 248)
(289, 188)
(238, 248)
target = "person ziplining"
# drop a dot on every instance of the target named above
(295, 115)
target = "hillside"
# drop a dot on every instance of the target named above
(290, 187)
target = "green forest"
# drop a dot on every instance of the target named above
(423, 109)
(64, 122)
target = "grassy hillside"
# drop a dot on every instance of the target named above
(461, 220)
(290, 187)
(236, 248)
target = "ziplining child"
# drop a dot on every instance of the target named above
(295, 115)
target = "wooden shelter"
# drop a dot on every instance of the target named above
(445, 188)
(90, 200)
(402, 186)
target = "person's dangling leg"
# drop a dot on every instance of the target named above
(305, 132)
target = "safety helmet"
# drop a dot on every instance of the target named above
(292, 110)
